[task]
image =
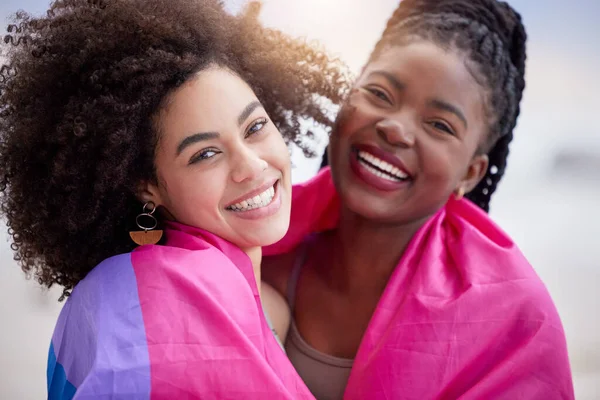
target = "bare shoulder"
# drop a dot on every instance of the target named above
(276, 270)
(277, 309)
(275, 274)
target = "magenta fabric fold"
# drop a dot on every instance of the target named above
(179, 321)
(463, 316)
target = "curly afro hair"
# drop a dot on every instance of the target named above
(78, 91)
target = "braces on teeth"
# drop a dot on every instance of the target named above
(258, 201)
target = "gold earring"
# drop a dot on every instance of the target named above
(147, 235)
(459, 193)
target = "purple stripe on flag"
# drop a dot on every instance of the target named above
(100, 338)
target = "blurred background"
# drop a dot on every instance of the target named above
(549, 200)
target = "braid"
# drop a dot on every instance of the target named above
(493, 36)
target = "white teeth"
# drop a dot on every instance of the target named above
(261, 200)
(264, 196)
(385, 166)
(377, 172)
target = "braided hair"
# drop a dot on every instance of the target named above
(493, 37)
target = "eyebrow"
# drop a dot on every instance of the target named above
(442, 105)
(200, 137)
(391, 79)
(195, 138)
(247, 111)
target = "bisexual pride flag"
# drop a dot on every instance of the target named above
(179, 321)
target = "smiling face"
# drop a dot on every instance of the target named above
(221, 164)
(408, 135)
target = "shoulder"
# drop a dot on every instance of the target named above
(277, 309)
(101, 294)
(102, 307)
(102, 298)
(106, 274)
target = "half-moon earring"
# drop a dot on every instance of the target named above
(147, 235)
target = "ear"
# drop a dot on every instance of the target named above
(149, 191)
(475, 172)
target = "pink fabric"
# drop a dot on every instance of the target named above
(206, 333)
(464, 315)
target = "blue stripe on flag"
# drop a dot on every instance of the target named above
(59, 388)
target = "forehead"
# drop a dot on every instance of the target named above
(425, 66)
(209, 101)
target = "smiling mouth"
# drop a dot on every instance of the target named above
(380, 168)
(258, 201)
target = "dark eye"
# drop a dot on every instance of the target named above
(441, 126)
(379, 94)
(256, 127)
(204, 154)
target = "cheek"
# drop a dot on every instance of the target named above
(275, 152)
(194, 195)
(348, 116)
(349, 121)
(278, 150)
(441, 168)
(357, 117)
(437, 161)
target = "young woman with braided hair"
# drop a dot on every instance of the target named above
(400, 287)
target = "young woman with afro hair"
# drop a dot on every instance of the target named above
(162, 124)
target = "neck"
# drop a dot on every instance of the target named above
(255, 254)
(366, 252)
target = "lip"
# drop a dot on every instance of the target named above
(254, 192)
(385, 156)
(374, 181)
(263, 212)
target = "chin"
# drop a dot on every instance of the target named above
(371, 207)
(275, 235)
(386, 212)
(367, 207)
(262, 233)
(361, 201)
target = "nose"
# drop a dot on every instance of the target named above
(395, 132)
(247, 166)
